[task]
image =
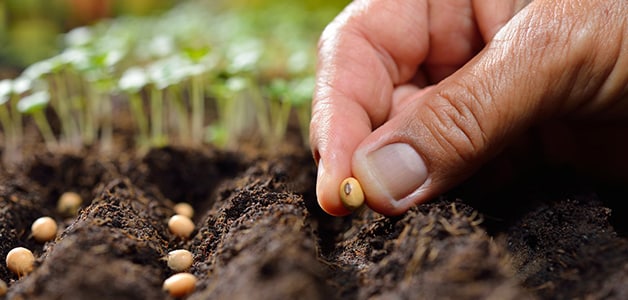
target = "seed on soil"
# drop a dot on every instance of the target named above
(69, 204)
(180, 284)
(20, 261)
(184, 209)
(181, 226)
(3, 288)
(351, 193)
(44, 229)
(180, 260)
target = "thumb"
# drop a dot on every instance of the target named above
(546, 62)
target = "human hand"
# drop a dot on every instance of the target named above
(414, 96)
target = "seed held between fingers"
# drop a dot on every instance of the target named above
(20, 261)
(44, 229)
(351, 193)
(180, 284)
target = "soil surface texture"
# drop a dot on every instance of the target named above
(260, 234)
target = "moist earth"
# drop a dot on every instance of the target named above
(260, 234)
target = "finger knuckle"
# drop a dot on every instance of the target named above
(457, 124)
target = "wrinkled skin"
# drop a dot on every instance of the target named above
(443, 87)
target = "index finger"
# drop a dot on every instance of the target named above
(370, 48)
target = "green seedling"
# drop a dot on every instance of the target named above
(275, 112)
(235, 114)
(35, 105)
(184, 83)
(300, 94)
(11, 137)
(132, 83)
(101, 85)
(166, 76)
(52, 70)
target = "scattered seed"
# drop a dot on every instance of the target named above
(3, 288)
(180, 284)
(69, 204)
(20, 261)
(184, 209)
(180, 260)
(181, 226)
(44, 229)
(351, 193)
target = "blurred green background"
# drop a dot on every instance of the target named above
(30, 29)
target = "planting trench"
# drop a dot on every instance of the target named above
(260, 234)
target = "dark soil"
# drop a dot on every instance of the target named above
(261, 235)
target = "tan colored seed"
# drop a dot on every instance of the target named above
(3, 288)
(184, 209)
(20, 261)
(351, 193)
(181, 226)
(180, 260)
(44, 229)
(180, 284)
(69, 204)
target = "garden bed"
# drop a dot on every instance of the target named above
(136, 115)
(259, 233)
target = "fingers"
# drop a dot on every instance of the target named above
(360, 62)
(536, 68)
(454, 37)
(491, 15)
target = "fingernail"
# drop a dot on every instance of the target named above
(398, 169)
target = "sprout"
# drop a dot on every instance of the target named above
(133, 81)
(35, 105)
(11, 122)
(161, 46)
(244, 55)
(5, 95)
(44, 229)
(77, 58)
(34, 102)
(181, 226)
(235, 113)
(300, 94)
(22, 85)
(20, 261)
(80, 36)
(273, 114)
(6, 89)
(180, 284)
(180, 260)
(298, 62)
(41, 68)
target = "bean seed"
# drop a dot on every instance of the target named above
(180, 260)
(44, 229)
(3, 288)
(20, 261)
(185, 209)
(351, 193)
(69, 204)
(180, 284)
(181, 226)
